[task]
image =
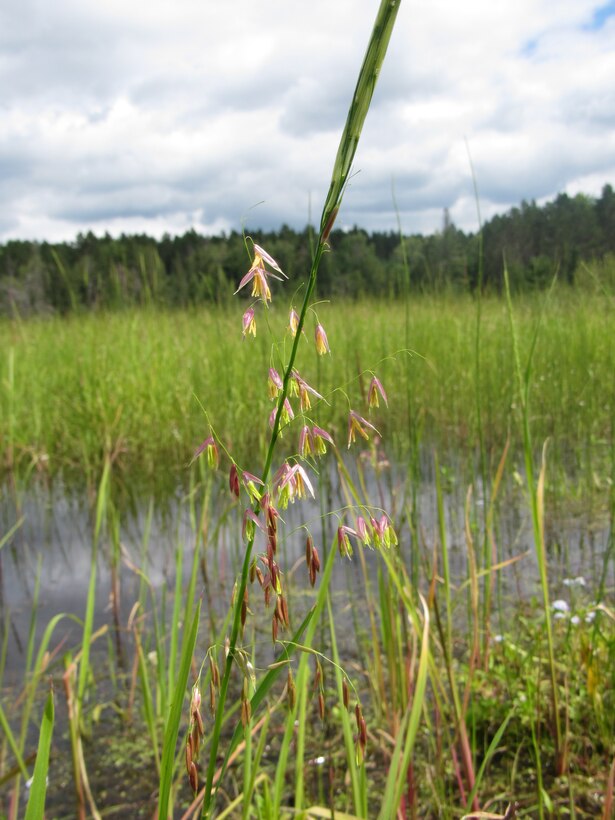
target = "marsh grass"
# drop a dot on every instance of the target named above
(130, 387)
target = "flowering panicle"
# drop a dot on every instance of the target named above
(293, 322)
(250, 521)
(322, 343)
(343, 541)
(357, 424)
(363, 531)
(289, 483)
(286, 415)
(303, 390)
(306, 442)
(375, 388)
(258, 274)
(274, 383)
(210, 446)
(250, 481)
(296, 479)
(384, 534)
(320, 437)
(249, 322)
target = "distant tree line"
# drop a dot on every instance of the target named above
(563, 237)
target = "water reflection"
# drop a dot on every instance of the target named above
(52, 550)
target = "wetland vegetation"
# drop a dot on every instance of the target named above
(183, 633)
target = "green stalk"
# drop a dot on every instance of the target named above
(536, 494)
(359, 793)
(359, 107)
(407, 731)
(38, 790)
(174, 718)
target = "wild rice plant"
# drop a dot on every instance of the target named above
(290, 482)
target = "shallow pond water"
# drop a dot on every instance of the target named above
(52, 549)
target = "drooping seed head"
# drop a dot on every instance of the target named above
(322, 343)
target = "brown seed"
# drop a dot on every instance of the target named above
(233, 480)
(345, 693)
(321, 705)
(309, 546)
(363, 733)
(274, 628)
(199, 722)
(194, 778)
(275, 575)
(195, 740)
(259, 575)
(246, 712)
(315, 560)
(286, 619)
(279, 611)
(252, 571)
(188, 754)
(212, 697)
(317, 675)
(272, 518)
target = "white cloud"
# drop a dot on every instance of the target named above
(127, 116)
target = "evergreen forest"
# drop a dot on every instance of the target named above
(569, 237)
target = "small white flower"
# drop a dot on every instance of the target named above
(498, 638)
(590, 616)
(579, 581)
(560, 606)
(575, 620)
(559, 616)
(319, 760)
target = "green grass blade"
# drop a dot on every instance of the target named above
(407, 732)
(488, 755)
(301, 683)
(101, 506)
(358, 794)
(361, 100)
(174, 719)
(5, 538)
(12, 743)
(38, 790)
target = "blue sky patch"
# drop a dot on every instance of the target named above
(601, 15)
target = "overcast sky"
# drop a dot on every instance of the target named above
(158, 116)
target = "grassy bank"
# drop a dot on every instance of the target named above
(130, 385)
